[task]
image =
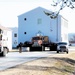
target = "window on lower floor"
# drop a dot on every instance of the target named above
(25, 33)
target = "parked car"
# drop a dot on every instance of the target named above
(62, 47)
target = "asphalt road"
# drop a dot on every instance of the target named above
(15, 58)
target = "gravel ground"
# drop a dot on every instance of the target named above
(59, 64)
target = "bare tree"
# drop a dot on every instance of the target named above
(61, 4)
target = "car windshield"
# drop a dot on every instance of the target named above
(64, 43)
(36, 38)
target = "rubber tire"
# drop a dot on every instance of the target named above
(57, 51)
(67, 52)
(4, 52)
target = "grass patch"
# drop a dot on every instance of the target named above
(63, 68)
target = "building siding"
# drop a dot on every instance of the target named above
(28, 22)
(14, 39)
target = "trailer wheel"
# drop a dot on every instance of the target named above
(57, 51)
(43, 48)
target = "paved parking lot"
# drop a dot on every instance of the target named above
(15, 58)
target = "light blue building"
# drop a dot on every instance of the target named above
(36, 22)
(14, 37)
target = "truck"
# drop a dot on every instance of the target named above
(38, 43)
(62, 47)
(3, 44)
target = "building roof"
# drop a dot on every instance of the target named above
(35, 9)
(40, 8)
(4, 28)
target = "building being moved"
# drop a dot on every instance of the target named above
(35, 22)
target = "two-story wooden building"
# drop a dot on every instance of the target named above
(35, 22)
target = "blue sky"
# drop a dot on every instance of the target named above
(10, 9)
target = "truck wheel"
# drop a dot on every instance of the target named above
(4, 52)
(67, 52)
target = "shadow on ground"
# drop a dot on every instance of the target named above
(62, 65)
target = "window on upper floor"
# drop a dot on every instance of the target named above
(25, 19)
(15, 35)
(39, 21)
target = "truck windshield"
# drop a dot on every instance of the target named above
(36, 38)
(62, 43)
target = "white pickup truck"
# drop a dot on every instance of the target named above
(3, 45)
(62, 47)
(3, 49)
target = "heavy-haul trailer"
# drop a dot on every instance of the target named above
(38, 43)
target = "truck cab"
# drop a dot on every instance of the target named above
(62, 47)
(3, 48)
(39, 40)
